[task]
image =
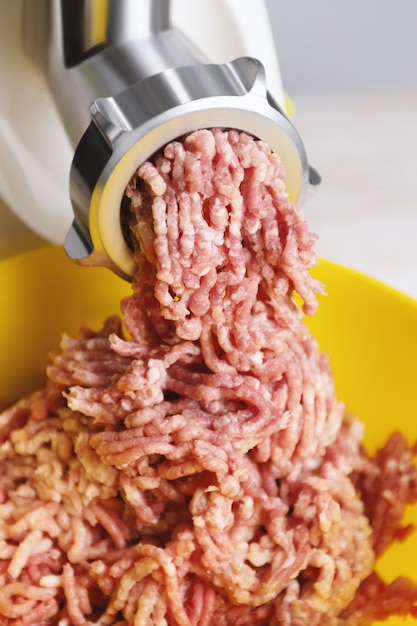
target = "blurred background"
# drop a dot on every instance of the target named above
(350, 69)
(347, 45)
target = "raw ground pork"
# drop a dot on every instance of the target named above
(195, 467)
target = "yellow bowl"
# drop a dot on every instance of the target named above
(369, 331)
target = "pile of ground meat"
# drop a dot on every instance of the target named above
(189, 464)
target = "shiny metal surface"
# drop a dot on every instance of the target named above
(126, 83)
(101, 47)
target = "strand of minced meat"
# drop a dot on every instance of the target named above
(195, 468)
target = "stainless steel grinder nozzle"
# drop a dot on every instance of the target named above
(140, 94)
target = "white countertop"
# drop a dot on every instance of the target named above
(365, 211)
